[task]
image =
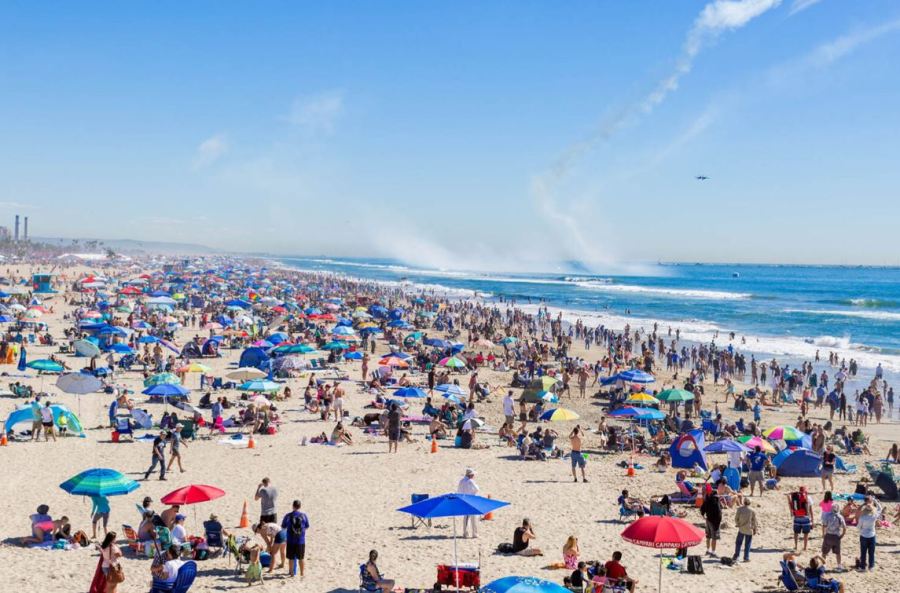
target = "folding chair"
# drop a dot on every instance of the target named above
(626, 513)
(132, 539)
(416, 521)
(123, 427)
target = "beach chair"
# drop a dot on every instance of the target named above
(625, 514)
(366, 582)
(123, 427)
(787, 578)
(684, 495)
(186, 575)
(416, 521)
(233, 548)
(657, 509)
(131, 539)
(212, 532)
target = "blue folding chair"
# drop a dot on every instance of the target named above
(186, 575)
(416, 521)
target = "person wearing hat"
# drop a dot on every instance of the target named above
(467, 485)
(179, 533)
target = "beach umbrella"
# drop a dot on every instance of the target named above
(260, 385)
(194, 367)
(545, 383)
(394, 362)
(483, 343)
(78, 383)
(343, 330)
(148, 340)
(166, 390)
(752, 442)
(660, 532)
(355, 355)
(122, 349)
(675, 395)
(45, 365)
(452, 362)
(336, 345)
(260, 400)
(293, 349)
(410, 392)
(509, 340)
(162, 378)
(642, 399)
(726, 446)
(514, 584)
(559, 415)
(86, 348)
(437, 343)
(450, 389)
(635, 376)
(246, 374)
(99, 482)
(783, 433)
(192, 494)
(453, 505)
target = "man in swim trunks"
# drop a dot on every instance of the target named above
(578, 459)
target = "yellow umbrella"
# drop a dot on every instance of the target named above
(643, 399)
(194, 367)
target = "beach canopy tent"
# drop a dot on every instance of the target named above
(687, 450)
(798, 463)
(25, 414)
(254, 357)
(886, 482)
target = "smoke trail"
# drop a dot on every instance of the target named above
(717, 17)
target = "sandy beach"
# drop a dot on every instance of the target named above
(351, 493)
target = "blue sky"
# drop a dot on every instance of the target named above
(479, 135)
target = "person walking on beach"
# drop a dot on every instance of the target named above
(828, 461)
(99, 512)
(835, 527)
(267, 495)
(296, 523)
(757, 465)
(868, 518)
(175, 441)
(158, 456)
(712, 512)
(745, 521)
(467, 485)
(577, 456)
(509, 408)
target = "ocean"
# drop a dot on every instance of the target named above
(785, 311)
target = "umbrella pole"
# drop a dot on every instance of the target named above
(659, 590)
(455, 558)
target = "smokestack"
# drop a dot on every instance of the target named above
(17, 229)
(26, 228)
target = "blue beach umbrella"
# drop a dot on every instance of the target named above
(355, 355)
(410, 392)
(166, 390)
(453, 505)
(635, 376)
(726, 446)
(514, 584)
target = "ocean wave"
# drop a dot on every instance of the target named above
(877, 315)
(871, 303)
(352, 264)
(667, 292)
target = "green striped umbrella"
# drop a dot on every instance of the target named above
(99, 482)
(162, 378)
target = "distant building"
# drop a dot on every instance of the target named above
(17, 228)
(26, 229)
(4, 234)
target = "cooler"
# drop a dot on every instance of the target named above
(469, 575)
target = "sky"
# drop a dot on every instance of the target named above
(476, 135)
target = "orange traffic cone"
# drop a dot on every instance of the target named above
(3, 441)
(490, 514)
(433, 445)
(245, 521)
(251, 444)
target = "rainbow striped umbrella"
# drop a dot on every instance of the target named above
(783, 433)
(452, 362)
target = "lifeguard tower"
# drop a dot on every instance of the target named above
(42, 284)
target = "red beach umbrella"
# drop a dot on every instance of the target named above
(660, 532)
(192, 494)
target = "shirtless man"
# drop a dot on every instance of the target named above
(577, 457)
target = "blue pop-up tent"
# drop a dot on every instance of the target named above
(687, 450)
(798, 463)
(254, 357)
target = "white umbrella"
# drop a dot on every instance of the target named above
(78, 383)
(85, 348)
(246, 374)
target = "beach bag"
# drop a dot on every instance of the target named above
(81, 539)
(725, 560)
(505, 548)
(695, 565)
(116, 574)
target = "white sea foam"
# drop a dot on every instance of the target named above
(668, 292)
(879, 315)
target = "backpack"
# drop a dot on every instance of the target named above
(81, 539)
(695, 565)
(505, 548)
(296, 525)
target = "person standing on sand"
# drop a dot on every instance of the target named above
(393, 428)
(267, 495)
(467, 485)
(158, 456)
(296, 523)
(577, 456)
(745, 521)
(365, 366)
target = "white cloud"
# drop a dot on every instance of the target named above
(317, 113)
(210, 150)
(832, 51)
(18, 205)
(801, 5)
